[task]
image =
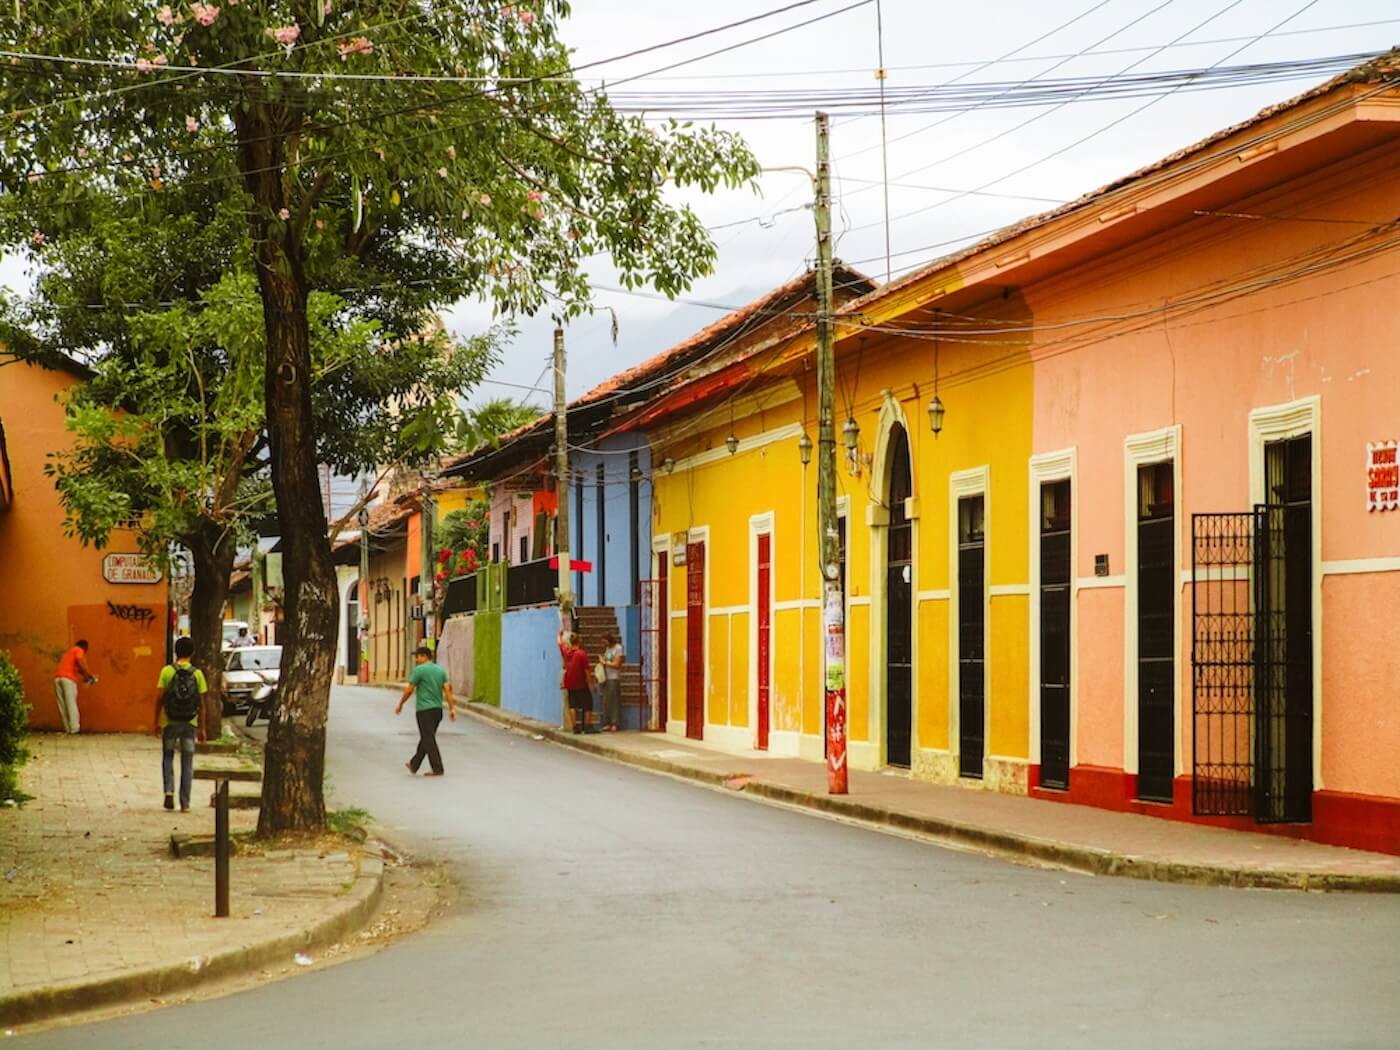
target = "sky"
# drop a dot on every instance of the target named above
(923, 42)
(767, 237)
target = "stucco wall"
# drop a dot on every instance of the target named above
(486, 656)
(530, 664)
(457, 654)
(54, 590)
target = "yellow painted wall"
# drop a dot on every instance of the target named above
(987, 391)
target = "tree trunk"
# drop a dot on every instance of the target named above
(213, 550)
(294, 766)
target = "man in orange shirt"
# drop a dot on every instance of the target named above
(72, 669)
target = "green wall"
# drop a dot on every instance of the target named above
(486, 656)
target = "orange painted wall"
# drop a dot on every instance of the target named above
(1331, 335)
(53, 591)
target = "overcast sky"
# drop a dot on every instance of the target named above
(925, 43)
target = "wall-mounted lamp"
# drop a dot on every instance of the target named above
(635, 473)
(850, 434)
(731, 443)
(668, 465)
(935, 415)
(804, 448)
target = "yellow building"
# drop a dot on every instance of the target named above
(736, 538)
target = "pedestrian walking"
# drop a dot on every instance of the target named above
(612, 682)
(430, 688)
(179, 697)
(576, 680)
(72, 670)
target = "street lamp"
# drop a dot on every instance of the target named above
(850, 434)
(804, 448)
(935, 415)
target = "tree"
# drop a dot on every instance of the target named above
(486, 422)
(474, 166)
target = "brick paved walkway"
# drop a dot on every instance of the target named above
(89, 890)
(1079, 836)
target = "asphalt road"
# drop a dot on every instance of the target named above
(606, 907)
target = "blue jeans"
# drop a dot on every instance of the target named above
(181, 735)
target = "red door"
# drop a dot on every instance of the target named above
(663, 638)
(765, 569)
(695, 641)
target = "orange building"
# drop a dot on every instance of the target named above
(57, 591)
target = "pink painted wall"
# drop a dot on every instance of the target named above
(1332, 334)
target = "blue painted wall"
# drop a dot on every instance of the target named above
(612, 456)
(530, 664)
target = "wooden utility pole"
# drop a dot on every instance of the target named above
(427, 589)
(833, 607)
(362, 591)
(561, 483)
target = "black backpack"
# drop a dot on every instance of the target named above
(181, 698)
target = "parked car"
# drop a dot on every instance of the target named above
(246, 671)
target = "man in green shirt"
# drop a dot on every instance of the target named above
(179, 696)
(429, 685)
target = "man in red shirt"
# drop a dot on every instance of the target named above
(72, 669)
(576, 679)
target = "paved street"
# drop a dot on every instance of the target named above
(606, 907)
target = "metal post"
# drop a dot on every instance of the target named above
(561, 492)
(833, 611)
(221, 849)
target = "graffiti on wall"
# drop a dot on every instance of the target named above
(138, 614)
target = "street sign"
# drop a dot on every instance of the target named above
(130, 568)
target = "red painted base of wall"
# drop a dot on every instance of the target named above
(1340, 818)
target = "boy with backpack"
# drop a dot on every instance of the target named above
(179, 696)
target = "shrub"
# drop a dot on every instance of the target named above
(14, 721)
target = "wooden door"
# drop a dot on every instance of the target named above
(695, 641)
(765, 586)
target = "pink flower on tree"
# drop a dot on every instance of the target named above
(442, 173)
(285, 35)
(191, 125)
(534, 196)
(165, 16)
(37, 238)
(360, 45)
(452, 152)
(485, 199)
(204, 14)
(284, 214)
(527, 18)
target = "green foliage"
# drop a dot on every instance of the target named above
(486, 422)
(350, 821)
(14, 724)
(460, 529)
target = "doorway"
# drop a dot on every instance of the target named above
(695, 641)
(1156, 631)
(352, 630)
(899, 607)
(1054, 583)
(1284, 647)
(972, 634)
(764, 622)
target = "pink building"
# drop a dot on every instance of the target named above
(1216, 405)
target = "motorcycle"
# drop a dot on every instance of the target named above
(261, 703)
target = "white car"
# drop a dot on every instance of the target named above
(248, 670)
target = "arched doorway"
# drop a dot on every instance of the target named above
(899, 604)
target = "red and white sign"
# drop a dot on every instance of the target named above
(130, 568)
(1382, 475)
(574, 564)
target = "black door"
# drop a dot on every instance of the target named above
(1156, 622)
(1054, 633)
(352, 631)
(899, 608)
(1283, 640)
(972, 622)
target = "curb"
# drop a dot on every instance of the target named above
(1087, 859)
(41, 1004)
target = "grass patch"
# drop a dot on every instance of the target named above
(349, 821)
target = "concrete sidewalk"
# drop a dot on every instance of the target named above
(94, 910)
(1081, 837)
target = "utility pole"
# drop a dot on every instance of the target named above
(427, 590)
(833, 608)
(363, 589)
(561, 482)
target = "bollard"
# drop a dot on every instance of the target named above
(221, 845)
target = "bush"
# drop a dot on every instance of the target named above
(14, 721)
